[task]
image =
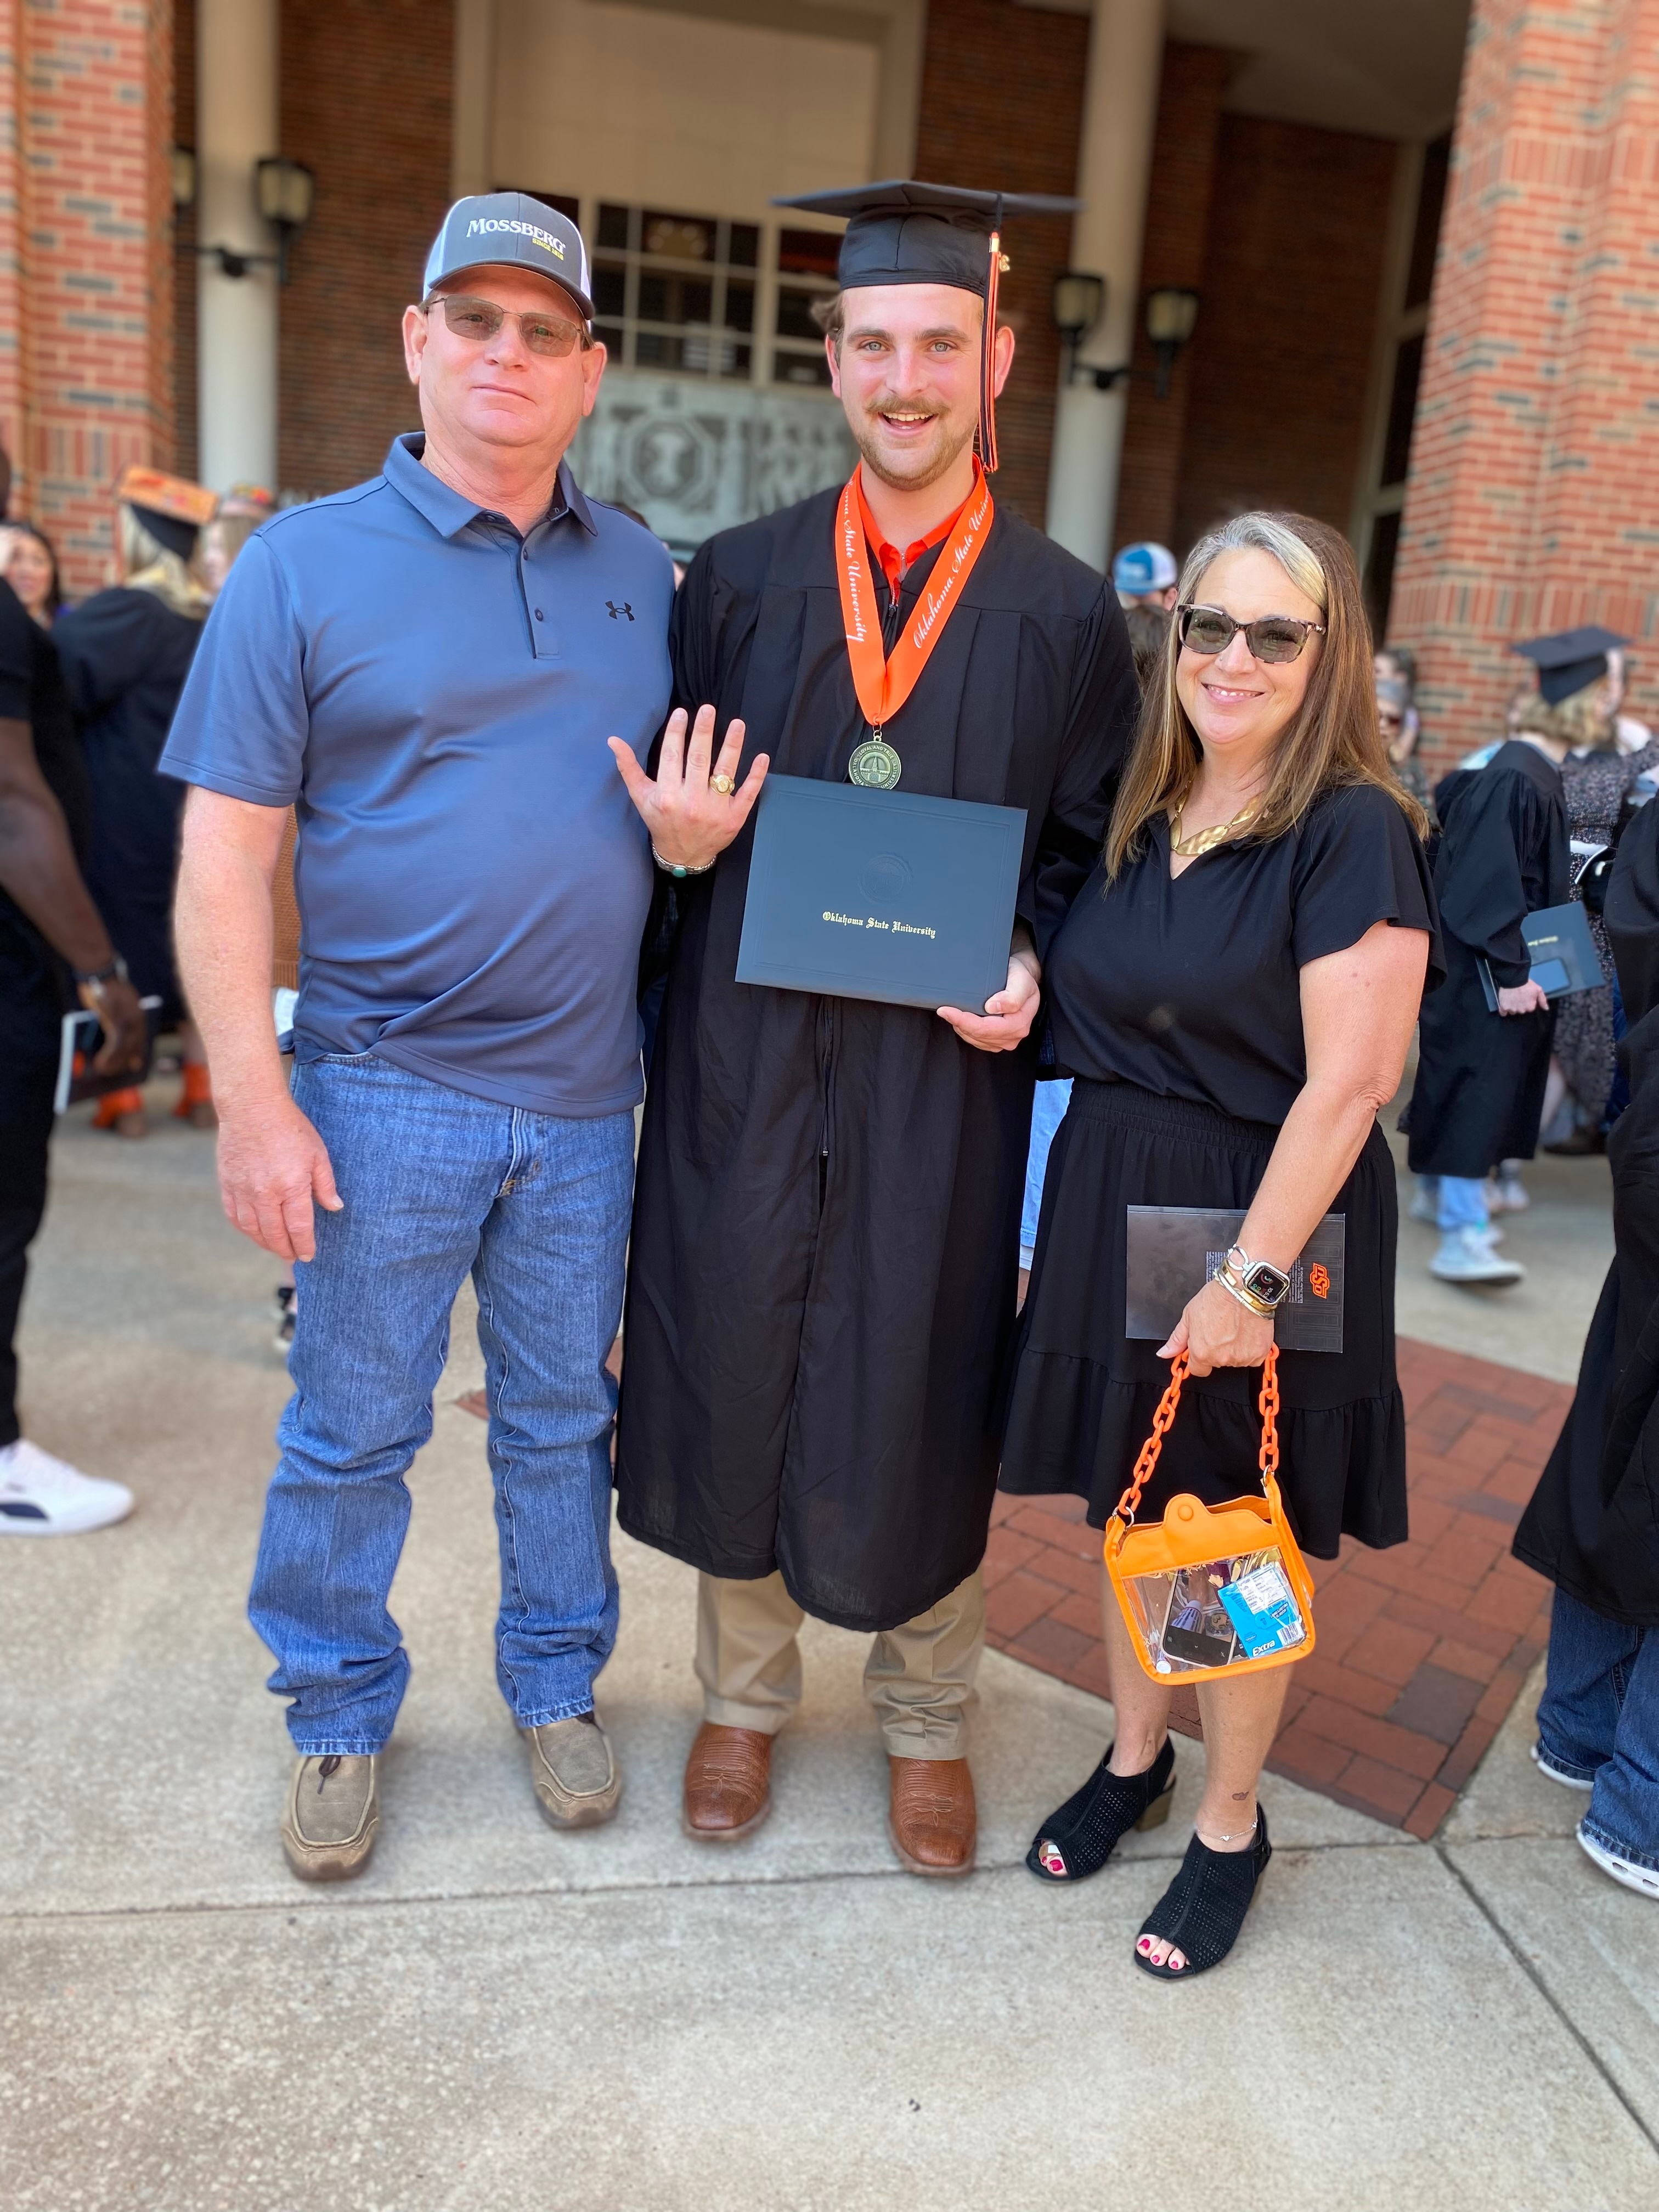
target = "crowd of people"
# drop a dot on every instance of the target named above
(458, 786)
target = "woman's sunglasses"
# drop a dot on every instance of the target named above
(1275, 637)
(479, 319)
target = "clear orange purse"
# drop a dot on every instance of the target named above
(1212, 1591)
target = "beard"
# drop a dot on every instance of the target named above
(910, 468)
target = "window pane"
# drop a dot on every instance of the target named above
(800, 368)
(674, 299)
(744, 249)
(795, 314)
(652, 349)
(1402, 410)
(610, 287)
(739, 305)
(809, 252)
(736, 361)
(610, 335)
(613, 226)
(677, 237)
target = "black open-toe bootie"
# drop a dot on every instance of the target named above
(1201, 1911)
(1077, 1840)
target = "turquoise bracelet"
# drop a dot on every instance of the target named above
(678, 868)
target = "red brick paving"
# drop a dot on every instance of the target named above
(1422, 1649)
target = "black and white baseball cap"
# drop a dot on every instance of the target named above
(512, 229)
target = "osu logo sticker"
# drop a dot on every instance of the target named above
(1319, 1281)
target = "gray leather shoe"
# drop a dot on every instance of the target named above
(574, 1771)
(332, 1818)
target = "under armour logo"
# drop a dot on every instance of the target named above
(626, 608)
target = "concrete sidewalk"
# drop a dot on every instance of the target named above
(497, 2018)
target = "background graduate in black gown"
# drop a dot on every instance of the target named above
(126, 653)
(1592, 1525)
(825, 1240)
(1480, 1075)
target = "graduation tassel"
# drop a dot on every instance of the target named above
(988, 397)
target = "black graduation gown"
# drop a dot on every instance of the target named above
(826, 1224)
(125, 655)
(1480, 1075)
(1593, 1524)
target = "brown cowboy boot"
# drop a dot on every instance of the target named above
(931, 1815)
(728, 1783)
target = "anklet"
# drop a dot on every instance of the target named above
(1225, 1836)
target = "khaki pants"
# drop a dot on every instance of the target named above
(919, 1677)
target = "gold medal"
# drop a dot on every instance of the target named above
(874, 764)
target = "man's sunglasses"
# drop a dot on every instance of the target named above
(1275, 637)
(556, 335)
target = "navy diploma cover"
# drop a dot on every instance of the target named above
(1561, 949)
(884, 894)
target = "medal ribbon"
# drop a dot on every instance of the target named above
(884, 685)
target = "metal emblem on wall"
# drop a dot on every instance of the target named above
(695, 457)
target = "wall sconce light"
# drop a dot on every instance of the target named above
(1080, 302)
(182, 162)
(1171, 315)
(284, 192)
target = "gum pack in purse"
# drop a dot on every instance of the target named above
(1209, 1591)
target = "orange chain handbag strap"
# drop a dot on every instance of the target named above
(1267, 1405)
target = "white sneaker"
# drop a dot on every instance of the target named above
(1507, 1194)
(1425, 1205)
(1466, 1256)
(1545, 1764)
(40, 1496)
(1643, 1879)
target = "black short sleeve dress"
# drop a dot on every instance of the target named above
(1176, 1006)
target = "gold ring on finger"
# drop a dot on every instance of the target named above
(723, 784)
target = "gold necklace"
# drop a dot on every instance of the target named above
(1206, 840)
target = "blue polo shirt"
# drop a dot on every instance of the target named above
(434, 691)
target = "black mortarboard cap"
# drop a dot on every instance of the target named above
(1570, 660)
(901, 233)
(904, 232)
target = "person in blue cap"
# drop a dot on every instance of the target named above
(1145, 575)
(1504, 853)
(428, 667)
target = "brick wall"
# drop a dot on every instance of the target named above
(1002, 103)
(366, 104)
(1184, 150)
(1293, 276)
(185, 265)
(86, 239)
(1533, 502)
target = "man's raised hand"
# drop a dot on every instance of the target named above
(691, 821)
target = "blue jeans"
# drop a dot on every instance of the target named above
(1599, 1719)
(1461, 1202)
(1048, 1106)
(437, 1183)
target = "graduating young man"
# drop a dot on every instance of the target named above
(826, 1225)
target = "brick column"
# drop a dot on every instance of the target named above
(86, 275)
(1184, 147)
(1002, 104)
(1533, 500)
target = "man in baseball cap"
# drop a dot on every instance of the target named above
(1145, 575)
(428, 667)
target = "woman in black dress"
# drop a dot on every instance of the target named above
(1234, 991)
